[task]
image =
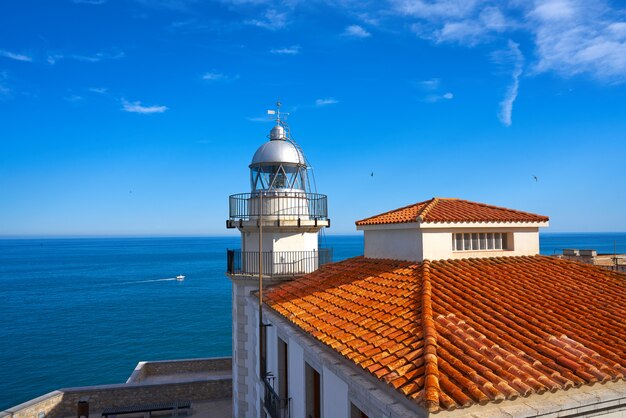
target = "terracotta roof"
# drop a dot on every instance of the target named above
(450, 334)
(440, 209)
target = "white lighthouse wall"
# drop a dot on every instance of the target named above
(245, 345)
(279, 241)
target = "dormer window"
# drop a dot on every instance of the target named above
(480, 241)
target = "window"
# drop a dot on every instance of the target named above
(283, 382)
(313, 392)
(479, 241)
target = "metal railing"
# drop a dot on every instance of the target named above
(277, 263)
(278, 205)
(275, 406)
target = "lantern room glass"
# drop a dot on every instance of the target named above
(281, 177)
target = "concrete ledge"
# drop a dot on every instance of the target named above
(146, 369)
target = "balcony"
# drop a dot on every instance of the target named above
(277, 263)
(278, 205)
(275, 406)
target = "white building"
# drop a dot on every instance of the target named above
(450, 312)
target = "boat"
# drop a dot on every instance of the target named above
(180, 278)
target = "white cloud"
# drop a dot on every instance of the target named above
(98, 90)
(259, 119)
(14, 56)
(273, 20)
(5, 91)
(575, 37)
(137, 107)
(432, 84)
(213, 76)
(216, 76)
(291, 50)
(73, 98)
(515, 58)
(570, 36)
(325, 102)
(356, 31)
(435, 9)
(434, 98)
(112, 54)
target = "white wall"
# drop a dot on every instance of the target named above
(335, 402)
(398, 244)
(295, 359)
(415, 243)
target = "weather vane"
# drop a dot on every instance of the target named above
(277, 111)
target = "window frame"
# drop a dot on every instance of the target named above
(480, 241)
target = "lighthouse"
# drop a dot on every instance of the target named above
(279, 220)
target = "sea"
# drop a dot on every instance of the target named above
(85, 311)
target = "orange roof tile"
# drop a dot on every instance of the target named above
(440, 209)
(450, 334)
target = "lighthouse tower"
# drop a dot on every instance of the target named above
(279, 220)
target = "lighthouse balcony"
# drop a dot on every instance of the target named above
(278, 208)
(276, 263)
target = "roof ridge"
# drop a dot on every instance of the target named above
(487, 205)
(391, 211)
(431, 369)
(429, 206)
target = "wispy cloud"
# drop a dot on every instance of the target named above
(291, 50)
(217, 76)
(429, 85)
(272, 20)
(137, 107)
(259, 119)
(434, 98)
(73, 98)
(5, 91)
(432, 86)
(15, 56)
(325, 102)
(112, 54)
(514, 58)
(356, 31)
(98, 90)
(574, 37)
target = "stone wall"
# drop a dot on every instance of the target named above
(62, 403)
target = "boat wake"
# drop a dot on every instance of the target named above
(150, 281)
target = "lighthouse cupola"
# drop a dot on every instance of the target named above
(278, 165)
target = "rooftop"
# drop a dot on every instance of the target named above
(451, 210)
(452, 334)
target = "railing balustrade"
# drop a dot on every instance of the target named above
(278, 205)
(275, 406)
(277, 263)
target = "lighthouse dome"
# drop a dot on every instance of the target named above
(277, 152)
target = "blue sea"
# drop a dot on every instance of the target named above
(84, 311)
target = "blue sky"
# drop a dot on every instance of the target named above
(137, 117)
